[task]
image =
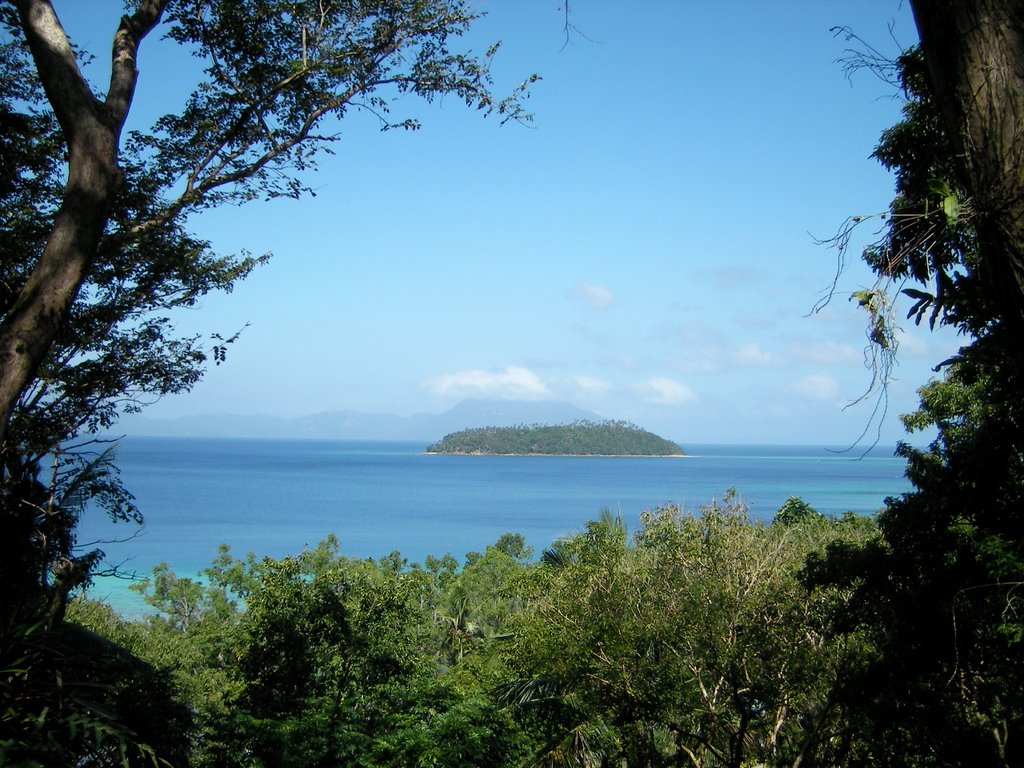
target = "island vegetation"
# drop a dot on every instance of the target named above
(581, 438)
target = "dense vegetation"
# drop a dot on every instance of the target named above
(691, 642)
(702, 640)
(581, 438)
(939, 592)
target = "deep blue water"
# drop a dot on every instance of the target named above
(273, 497)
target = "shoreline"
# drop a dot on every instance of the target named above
(566, 455)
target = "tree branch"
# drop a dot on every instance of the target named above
(65, 87)
(123, 70)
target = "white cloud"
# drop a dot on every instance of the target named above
(513, 383)
(700, 361)
(752, 355)
(663, 391)
(696, 333)
(591, 385)
(818, 386)
(591, 335)
(596, 296)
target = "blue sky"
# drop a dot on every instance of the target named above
(645, 250)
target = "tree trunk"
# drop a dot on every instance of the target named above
(37, 314)
(92, 129)
(975, 55)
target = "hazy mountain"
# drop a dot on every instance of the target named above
(354, 425)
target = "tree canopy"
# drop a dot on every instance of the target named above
(691, 642)
(278, 75)
(937, 591)
(96, 253)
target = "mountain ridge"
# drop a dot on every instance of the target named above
(357, 425)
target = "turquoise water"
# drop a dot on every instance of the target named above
(273, 497)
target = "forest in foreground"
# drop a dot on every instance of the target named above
(694, 641)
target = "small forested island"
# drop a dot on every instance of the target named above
(581, 438)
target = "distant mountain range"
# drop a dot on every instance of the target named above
(354, 425)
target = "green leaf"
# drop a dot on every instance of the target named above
(950, 204)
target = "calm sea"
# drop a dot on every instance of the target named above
(274, 497)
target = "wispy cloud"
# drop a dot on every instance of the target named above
(591, 385)
(594, 296)
(664, 391)
(818, 386)
(751, 355)
(512, 383)
(911, 344)
(708, 359)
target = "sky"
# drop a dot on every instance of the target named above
(649, 248)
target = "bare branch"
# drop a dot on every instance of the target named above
(569, 28)
(865, 56)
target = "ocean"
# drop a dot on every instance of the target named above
(275, 497)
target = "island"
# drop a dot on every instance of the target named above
(581, 438)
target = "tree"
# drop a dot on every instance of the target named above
(92, 131)
(795, 510)
(695, 645)
(975, 61)
(276, 69)
(489, 584)
(69, 696)
(332, 661)
(937, 594)
(115, 349)
(94, 253)
(97, 254)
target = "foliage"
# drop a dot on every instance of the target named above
(72, 697)
(481, 602)
(929, 233)
(928, 229)
(581, 438)
(330, 661)
(795, 510)
(277, 77)
(691, 643)
(38, 558)
(116, 350)
(695, 644)
(95, 255)
(937, 594)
